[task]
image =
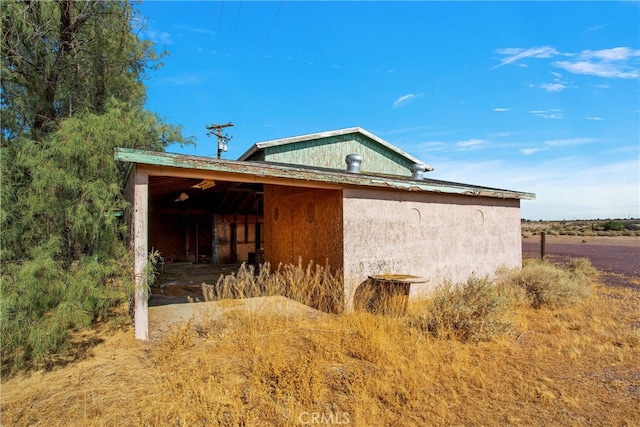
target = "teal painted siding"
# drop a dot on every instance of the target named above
(330, 153)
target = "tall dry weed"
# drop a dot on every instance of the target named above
(314, 285)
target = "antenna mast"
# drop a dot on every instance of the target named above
(223, 140)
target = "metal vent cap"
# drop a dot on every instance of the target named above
(354, 161)
(417, 170)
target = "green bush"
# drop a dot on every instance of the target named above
(613, 226)
(474, 311)
(43, 302)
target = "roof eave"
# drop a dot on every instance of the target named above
(310, 174)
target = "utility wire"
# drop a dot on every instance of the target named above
(233, 39)
(220, 24)
(271, 27)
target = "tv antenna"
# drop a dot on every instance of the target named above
(223, 140)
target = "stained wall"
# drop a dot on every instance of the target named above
(439, 237)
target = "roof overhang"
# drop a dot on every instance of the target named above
(312, 136)
(179, 165)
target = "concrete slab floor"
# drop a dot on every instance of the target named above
(178, 283)
(162, 317)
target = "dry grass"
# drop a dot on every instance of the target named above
(575, 365)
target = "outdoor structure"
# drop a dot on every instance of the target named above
(296, 198)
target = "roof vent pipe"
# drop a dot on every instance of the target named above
(354, 161)
(417, 170)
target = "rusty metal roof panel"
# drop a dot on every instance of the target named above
(308, 176)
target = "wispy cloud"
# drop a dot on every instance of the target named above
(516, 54)
(596, 118)
(403, 130)
(614, 54)
(184, 79)
(471, 144)
(553, 87)
(559, 184)
(195, 29)
(598, 27)
(501, 110)
(547, 145)
(600, 69)
(158, 37)
(558, 84)
(548, 114)
(571, 141)
(405, 99)
(500, 134)
(617, 62)
(528, 151)
(429, 147)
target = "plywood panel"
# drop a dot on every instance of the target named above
(303, 224)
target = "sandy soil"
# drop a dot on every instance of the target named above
(629, 241)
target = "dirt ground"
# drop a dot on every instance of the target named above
(618, 258)
(561, 367)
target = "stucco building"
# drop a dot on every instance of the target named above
(294, 198)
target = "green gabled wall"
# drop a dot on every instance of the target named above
(330, 152)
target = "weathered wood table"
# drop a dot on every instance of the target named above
(389, 293)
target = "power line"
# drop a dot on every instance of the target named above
(271, 26)
(233, 39)
(220, 24)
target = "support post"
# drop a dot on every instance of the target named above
(197, 249)
(141, 257)
(543, 245)
(214, 240)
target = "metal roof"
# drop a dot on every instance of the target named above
(169, 164)
(312, 136)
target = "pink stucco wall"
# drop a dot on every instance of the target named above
(439, 237)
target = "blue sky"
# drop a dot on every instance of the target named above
(540, 97)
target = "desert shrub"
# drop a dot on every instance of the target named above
(583, 272)
(631, 225)
(475, 310)
(316, 285)
(550, 286)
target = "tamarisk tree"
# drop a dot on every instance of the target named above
(71, 91)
